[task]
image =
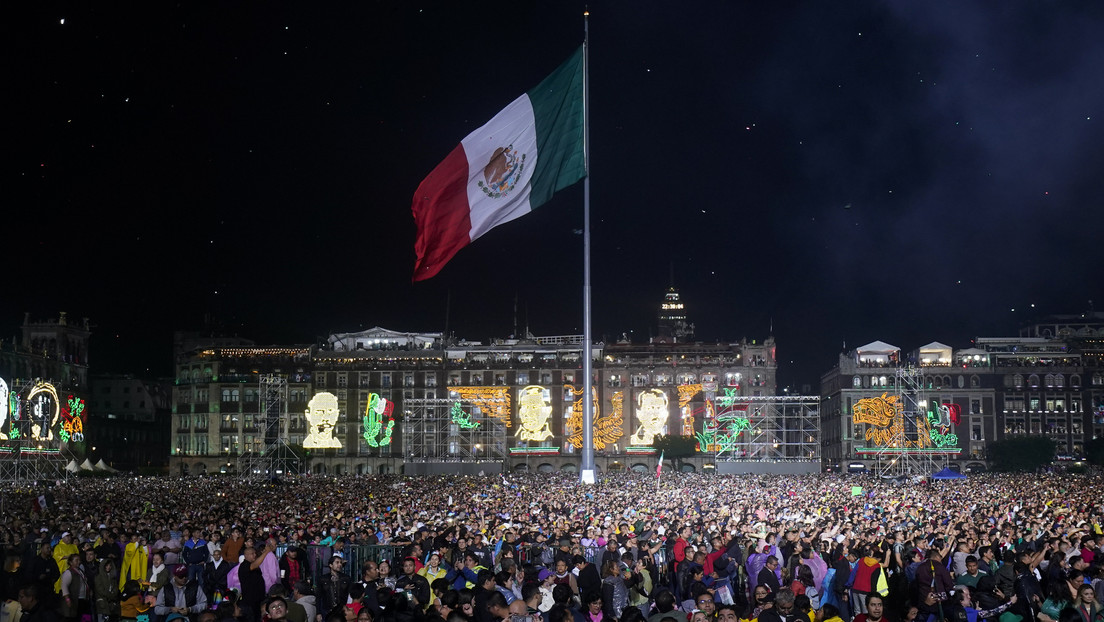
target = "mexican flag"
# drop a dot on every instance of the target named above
(659, 466)
(505, 169)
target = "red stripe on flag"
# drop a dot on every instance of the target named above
(441, 214)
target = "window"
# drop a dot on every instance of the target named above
(430, 379)
(523, 377)
(363, 379)
(1033, 381)
(975, 407)
(320, 381)
(477, 379)
(975, 433)
(856, 382)
(568, 377)
(614, 380)
(1059, 381)
(500, 379)
(385, 380)
(640, 380)
(342, 380)
(1017, 381)
(546, 377)
(733, 379)
(1033, 404)
(975, 382)
(408, 380)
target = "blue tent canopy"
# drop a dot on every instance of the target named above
(947, 473)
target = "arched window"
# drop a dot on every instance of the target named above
(1017, 381)
(1075, 381)
(975, 382)
(946, 382)
(882, 381)
(856, 382)
(1049, 380)
(1059, 381)
(1033, 381)
(961, 381)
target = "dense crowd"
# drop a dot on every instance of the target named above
(543, 548)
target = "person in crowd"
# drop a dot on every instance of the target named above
(180, 595)
(106, 591)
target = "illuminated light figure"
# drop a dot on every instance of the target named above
(44, 411)
(378, 408)
(687, 393)
(606, 429)
(492, 401)
(879, 411)
(941, 419)
(461, 418)
(652, 413)
(72, 420)
(15, 412)
(322, 415)
(534, 410)
(4, 392)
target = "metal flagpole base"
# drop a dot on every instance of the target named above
(587, 476)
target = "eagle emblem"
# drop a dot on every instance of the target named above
(503, 172)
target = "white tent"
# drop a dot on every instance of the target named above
(102, 466)
(86, 465)
(72, 466)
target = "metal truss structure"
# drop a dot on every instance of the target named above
(276, 458)
(763, 429)
(908, 451)
(23, 459)
(451, 431)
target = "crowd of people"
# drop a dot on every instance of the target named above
(544, 548)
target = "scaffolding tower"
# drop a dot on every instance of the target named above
(451, 436)
(764, 429)
(276, 458)
(23, 458)
(908, 451)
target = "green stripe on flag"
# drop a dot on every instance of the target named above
(558, 115)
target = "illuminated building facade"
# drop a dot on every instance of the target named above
(529, 388)
(43, 386)
(1047, 381)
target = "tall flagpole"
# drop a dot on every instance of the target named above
(587, 470)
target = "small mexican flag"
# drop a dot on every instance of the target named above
(659, 467)
(505, 169)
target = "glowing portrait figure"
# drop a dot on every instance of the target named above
(651, 412)
(322, 414)
(3, 408)
(45, 411)
(534, 411)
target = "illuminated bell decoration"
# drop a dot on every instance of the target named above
(322, 414)
(45, 411)
(378, 409)
(534, 411)
(652, 414)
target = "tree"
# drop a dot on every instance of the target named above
(676, 448)
(1021, 453)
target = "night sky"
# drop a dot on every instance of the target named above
(845, 172)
